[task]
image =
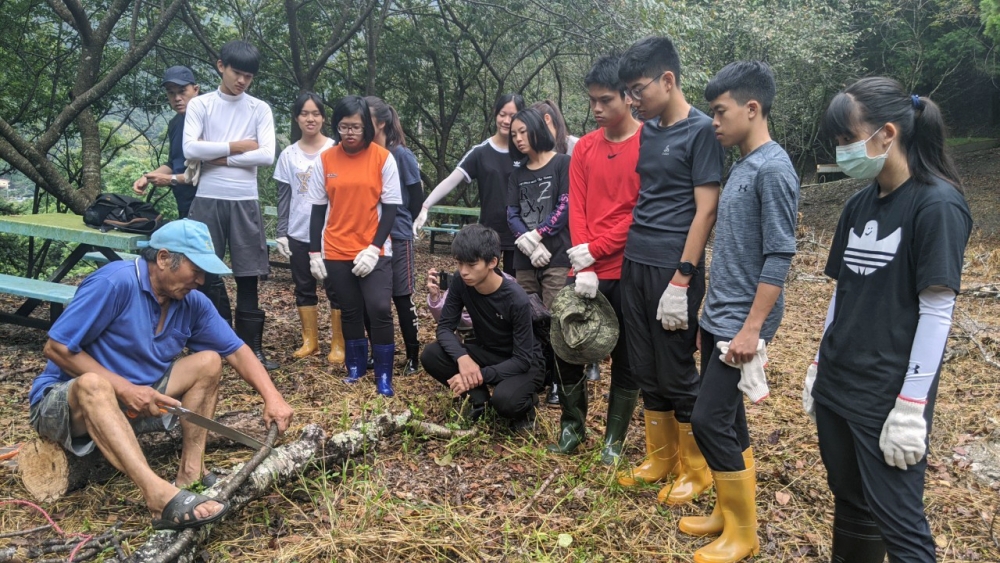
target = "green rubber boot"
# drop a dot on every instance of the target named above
(573, 423)
(621, 405)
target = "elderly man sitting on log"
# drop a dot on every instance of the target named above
(115, 357)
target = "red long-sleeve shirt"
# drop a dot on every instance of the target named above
(603, 189)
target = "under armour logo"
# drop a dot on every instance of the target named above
(915, 370)
(742, 188)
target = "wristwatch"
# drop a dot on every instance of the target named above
(173, 179)
(687, 268)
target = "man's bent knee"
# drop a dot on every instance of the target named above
(91, 389)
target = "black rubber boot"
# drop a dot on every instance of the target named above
(553, 398)
(215, 290)
(573, 422)
(250, 328)
(856, 539)
(621, 405)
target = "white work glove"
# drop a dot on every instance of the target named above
(672, 311)
(752, 379)
(283, 247)
(541, 256)
(192, 171)
(528, 242)
(316, 266)
(365, 261)
(904, 435)
(418, 223)
(580, 256)
(586, 284)
(807, 391)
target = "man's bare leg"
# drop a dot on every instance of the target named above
(94, 410)
(194, 380)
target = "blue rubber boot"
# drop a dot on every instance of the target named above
(383, 354)
(355, 357)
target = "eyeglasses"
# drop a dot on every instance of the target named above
(350, 129)
(636, 93)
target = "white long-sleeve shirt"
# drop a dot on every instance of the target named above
(211, 122)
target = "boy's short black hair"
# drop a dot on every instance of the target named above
(745, 81)
(649, 58)
(353, 105)
(475, 242)
(604, 74)
(240, 55)
(539, 136)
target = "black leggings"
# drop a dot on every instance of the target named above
(305, 283)
(246, 293)
(407, 316)
(370, 294)
(621, 375)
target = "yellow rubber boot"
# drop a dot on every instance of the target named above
(693, 477)
(310, 336)
(336, 339)
(661, 451)
(737, 495)
(711, 525)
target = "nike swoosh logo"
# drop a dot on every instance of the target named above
(614, 155)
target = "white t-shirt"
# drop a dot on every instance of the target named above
(294, 168)
(211, 122)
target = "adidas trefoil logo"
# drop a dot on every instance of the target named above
(867, 253)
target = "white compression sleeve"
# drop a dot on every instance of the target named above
(936, 306)
(444, 188)
(829, 318)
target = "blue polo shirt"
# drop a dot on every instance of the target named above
(113, 317)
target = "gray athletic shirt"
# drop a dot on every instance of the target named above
(754, 240)
(672, 161)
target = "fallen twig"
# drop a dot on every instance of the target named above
(538, 493)
(437, 431)
(24, 532)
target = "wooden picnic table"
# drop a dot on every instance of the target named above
(463, 213)
(58, 227)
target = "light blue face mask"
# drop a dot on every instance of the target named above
(853, 159)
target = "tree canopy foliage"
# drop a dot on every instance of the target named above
(83, 112)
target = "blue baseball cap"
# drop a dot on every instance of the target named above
(190, 238)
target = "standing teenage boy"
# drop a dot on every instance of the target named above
(603, 188)
(181, 88)
(663, 282)
(506, 354)
(232, 133)
(753, 250)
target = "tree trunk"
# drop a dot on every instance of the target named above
(48, 471)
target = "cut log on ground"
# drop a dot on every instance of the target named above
(48, 471)
(284, 464)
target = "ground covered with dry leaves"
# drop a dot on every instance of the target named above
(499, 497)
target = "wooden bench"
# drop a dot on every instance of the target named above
(99, 258)
(56, 294)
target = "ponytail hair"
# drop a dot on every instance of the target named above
(549, 108)
(877, 100)
(386, 115)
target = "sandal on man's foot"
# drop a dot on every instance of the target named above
(179, 514)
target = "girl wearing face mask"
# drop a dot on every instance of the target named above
(490, 165)
(897, 259)
(295, 165)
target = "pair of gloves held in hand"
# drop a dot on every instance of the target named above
(364, 262)
(903, 439)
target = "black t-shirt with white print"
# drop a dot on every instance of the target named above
(886, 250)
(537, 193)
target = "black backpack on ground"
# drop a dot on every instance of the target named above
(125, 213)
